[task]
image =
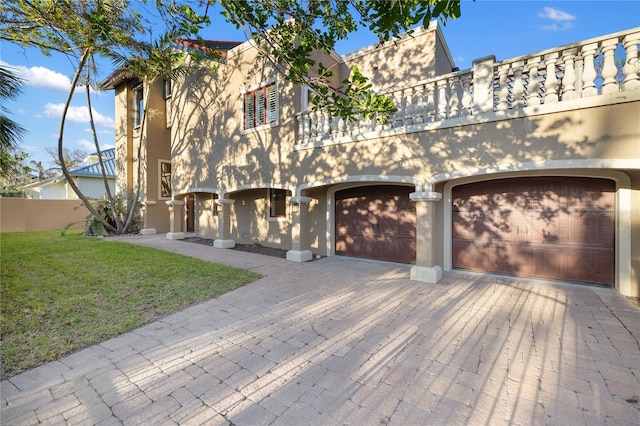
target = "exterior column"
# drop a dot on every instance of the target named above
(224, 240)
(299, 210)
(143, 210)
(175, 220)
(425, 269)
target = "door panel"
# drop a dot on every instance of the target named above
(554, 228)
(376, 222)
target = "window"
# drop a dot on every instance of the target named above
(261, 107)
(138, 105)
(216, 209)
(165, 179)
(166, 89)
(166, 93)
(277, 203)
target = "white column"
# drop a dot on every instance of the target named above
(425, 269)
(224, 240)
(145, 216)
(299, 251)
(175, 220)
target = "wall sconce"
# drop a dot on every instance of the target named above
(295, 208)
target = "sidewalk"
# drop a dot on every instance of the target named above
(348, 341)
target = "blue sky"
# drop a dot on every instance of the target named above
(505, 29)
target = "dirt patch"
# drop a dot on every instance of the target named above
(258, 249)
(250, 248)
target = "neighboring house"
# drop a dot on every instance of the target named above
(528, 166)
(88, 179)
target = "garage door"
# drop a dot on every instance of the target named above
(552, 228)
(376, 222)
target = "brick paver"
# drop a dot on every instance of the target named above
(348, 341)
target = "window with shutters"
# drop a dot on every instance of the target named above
(261, 107)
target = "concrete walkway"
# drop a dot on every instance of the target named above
(347, 341)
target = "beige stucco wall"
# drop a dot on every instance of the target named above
(211, 154)
(206, 222)
(635, 232)
(210, 150)
(606, 132)
(24, 215)
(414, 54)
(123, 140)
(155, 139)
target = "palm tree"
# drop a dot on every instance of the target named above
(11, 133)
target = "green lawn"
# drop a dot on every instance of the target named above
(62, 293)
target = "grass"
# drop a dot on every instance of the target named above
(63, 293)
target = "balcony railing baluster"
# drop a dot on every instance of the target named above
(582, 70)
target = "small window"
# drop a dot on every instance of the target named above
(277, 203)
(166, 89)
(165, 179)
(138, 105)
(261, 107)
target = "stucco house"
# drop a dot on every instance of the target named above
(88, 178)
(527, 166)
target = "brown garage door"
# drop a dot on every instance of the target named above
(553, 228)
(376, 222)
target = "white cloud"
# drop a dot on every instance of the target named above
(556, 14)
(78, 114)
(90, 146)
(41, 77)
(562, 20)
(86, 145)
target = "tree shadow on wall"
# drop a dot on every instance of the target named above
(538, 227)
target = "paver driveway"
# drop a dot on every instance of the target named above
(341, 340)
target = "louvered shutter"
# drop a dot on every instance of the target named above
(272, 111)
(260, 104)
(249, 111)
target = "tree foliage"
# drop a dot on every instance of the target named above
(83, 30)
(11, 133)
(73, 158)
(287, 32)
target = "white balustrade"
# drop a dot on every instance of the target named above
(533, 85)
(569, 77)
(518, 85)
(454, 98)
(566, 73)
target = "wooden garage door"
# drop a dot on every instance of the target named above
(376, 222)
(552, 228)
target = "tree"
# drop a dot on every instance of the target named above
(287, 32)
(72, 158)
(15, 173)
(11, 133)
(82, 30)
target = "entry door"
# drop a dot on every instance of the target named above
(190, 206)
(552, 228)
(376, 222)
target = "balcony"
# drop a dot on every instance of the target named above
(594, 72)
